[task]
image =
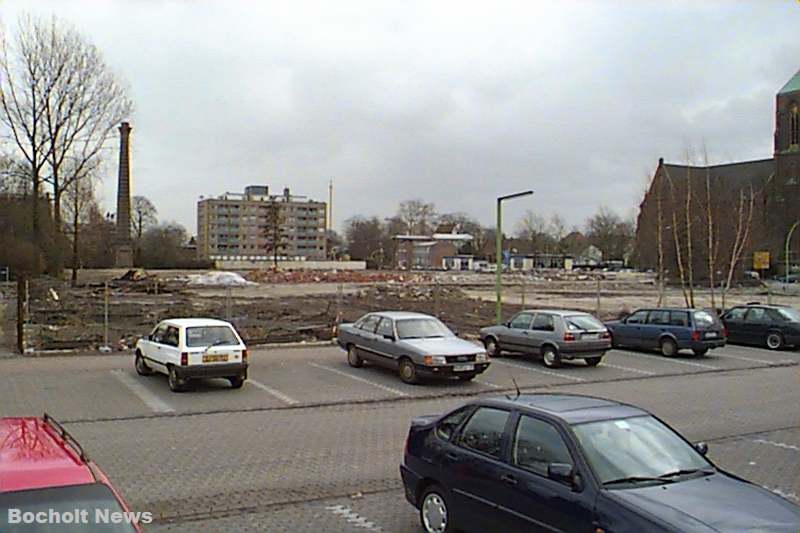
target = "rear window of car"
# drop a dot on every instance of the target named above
(210, 336)
(678, 318)
(583, 322)
(704, 319)
(789, 313)
(96, 498)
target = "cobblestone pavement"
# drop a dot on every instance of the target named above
(287, 452)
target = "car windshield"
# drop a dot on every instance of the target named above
(422, 328)
(704, 319)
(583, 322)
(789, 313)
(636, 449)
(97, 499)
(210, 336)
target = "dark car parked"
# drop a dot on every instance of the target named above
(669, 330)
(552, 462)
(773, 326)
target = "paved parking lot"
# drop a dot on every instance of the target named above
(289, 451)
(319, 376)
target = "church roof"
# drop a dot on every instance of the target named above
(738, 174)
(792, 85)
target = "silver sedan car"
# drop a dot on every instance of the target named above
(414, 344)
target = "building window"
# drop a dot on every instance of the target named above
(794, 124)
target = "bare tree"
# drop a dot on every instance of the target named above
(689, 248)
(557, 230)
(274, 231)
(610, 233)
(25, 84)
(143, 215)
(418, 216)
(533, 229)
(79, 201)
(83, 104)
(679, 259)
(659, 185)
(712, 239)
(743, 225)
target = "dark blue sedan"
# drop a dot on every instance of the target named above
(552, 462)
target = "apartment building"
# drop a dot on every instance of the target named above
(234, 226)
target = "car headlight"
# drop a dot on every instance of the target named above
(434, 360)
(481, 357)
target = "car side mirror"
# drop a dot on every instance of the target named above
(389, 337)
(563, 473)
(701, 447)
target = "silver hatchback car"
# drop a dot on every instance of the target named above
(556, 335)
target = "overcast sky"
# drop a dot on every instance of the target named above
(452, 102)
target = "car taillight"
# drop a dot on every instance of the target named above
(725, 332)
(695, 335)
(244, 356)
(569, 337)
(184, 358)
(605, 335)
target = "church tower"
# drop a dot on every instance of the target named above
(787, 118)
(786, 181)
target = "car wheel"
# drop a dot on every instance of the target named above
(236, 382)
(408, 372)
(353, 359)
(492, 347)
(550, 357)
(668, 348)
(434, 512)
(593, 361)
(700, 352)
(774, 341)
(141, 367)
(175, 383)
(466, 377)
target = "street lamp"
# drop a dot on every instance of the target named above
(786, 252)
(498, 284)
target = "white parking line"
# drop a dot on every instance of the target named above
(362, 380)
(539, 371)
(778, 444)
(156, 404)
(352, 517)
(487, 383)
(278, 394)
(667, 359)
(629, 369)
(751, 359)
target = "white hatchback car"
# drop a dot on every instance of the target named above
(190, 348)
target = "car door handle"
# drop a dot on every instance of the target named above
(453, 456)
(508, 478)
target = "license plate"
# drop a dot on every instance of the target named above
(711, 335)
(218, 358)
(590, 336)
(463, 368)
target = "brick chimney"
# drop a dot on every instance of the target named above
(123, 253)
